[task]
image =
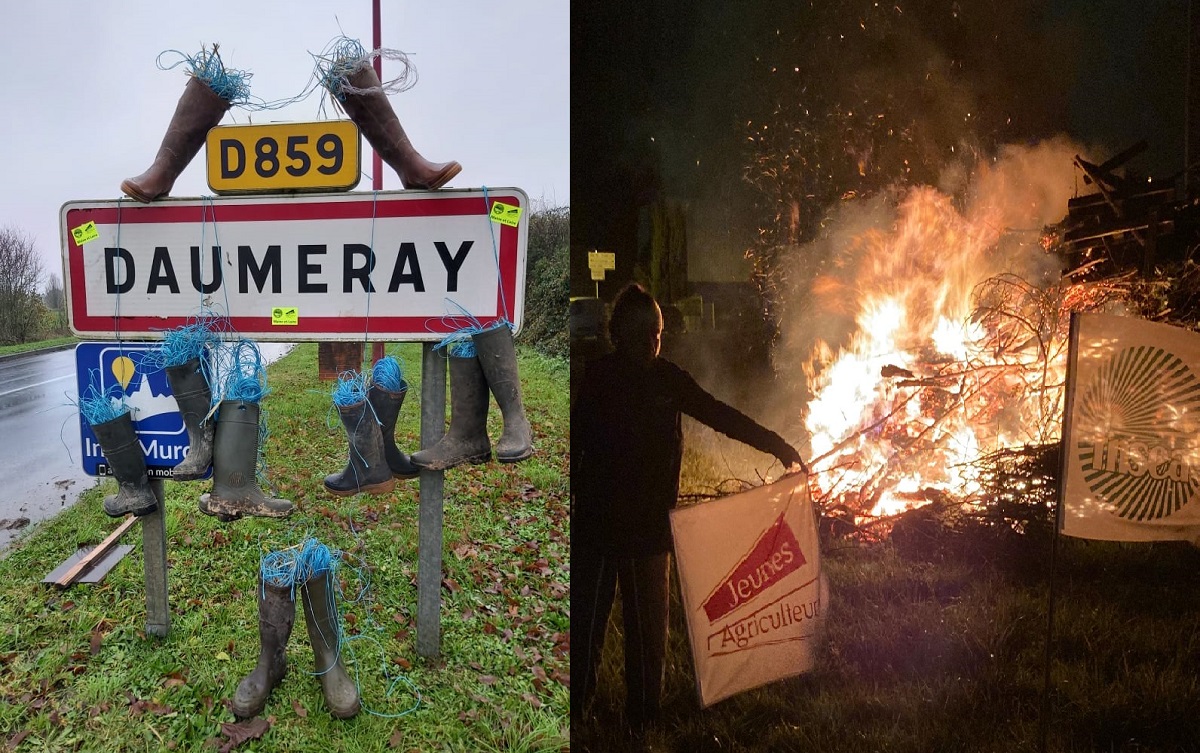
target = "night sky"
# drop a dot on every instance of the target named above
(675, 100)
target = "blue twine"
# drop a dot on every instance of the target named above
(246, 376)
(387, 374)
(487, 209)
(98, 405)
(343, 57)
(458, 344)
(230, 84)
(351, 389)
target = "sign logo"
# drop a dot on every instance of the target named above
(156, 417)
(1139, 418)
(775, 555)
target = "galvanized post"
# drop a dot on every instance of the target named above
(154, 562)
(429, 516)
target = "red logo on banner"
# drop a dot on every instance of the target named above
(775, 555)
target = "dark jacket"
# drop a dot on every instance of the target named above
(626, 449)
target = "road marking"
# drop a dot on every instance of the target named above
(39, 384)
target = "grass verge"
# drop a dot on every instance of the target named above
(942, 648)
(9, 350)
(78, 673)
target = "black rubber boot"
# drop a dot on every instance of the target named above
(321, 618)
(195, 400)
(466, 441)
(235, 491)
(498, 357)
(276, 615)
(387, 407)
(127, 460)
(367, 470)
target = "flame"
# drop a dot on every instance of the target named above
(953, 354)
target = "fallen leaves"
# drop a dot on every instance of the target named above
(238, 733)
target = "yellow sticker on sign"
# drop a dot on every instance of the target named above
(506, 214)
(84, 233)
(285, 316)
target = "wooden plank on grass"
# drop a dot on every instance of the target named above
(69, 576)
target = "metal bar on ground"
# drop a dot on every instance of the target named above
(154, 553)
(429, 517)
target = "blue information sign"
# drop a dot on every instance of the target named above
(120, 367)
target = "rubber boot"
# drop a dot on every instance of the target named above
(276, 615)
(127, 460)
(199, 109)
(467, 439)
(321, 618)
(235, 491)
(498, 357)
(367, 470)
(373, 114)
(387, 407)
(194, 397)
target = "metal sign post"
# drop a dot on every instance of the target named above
(429, 516)
(600, 262)
(154, 564)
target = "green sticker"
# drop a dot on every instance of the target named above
(285, 316)
(506, 214)
(84, 233)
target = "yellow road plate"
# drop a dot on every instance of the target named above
(282, 157)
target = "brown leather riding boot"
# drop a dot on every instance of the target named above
(198, 110)
(373, 115)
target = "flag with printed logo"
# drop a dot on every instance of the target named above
(749, 569)
(1131, 431)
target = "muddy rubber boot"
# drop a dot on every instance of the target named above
(199, 109)
(276, 615)
(195, 400)
(498, 357)
(372, 113)
(367, 470)
(127, 460)
(387, 407)
(321, 619)
(466, 441)
(235, 491)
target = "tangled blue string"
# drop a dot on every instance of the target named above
(99, 405)
(343, 57)
(351, 389)
(230, 84)
(387, 374)
(245, 373)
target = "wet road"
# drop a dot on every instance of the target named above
(41, 469)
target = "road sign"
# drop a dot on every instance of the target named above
(601, 261)
(281, 157)
(417, 263)
(156, 415)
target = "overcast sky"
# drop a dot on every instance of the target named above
(86, 106)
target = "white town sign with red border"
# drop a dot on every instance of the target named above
(399, 265)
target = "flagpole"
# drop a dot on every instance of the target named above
(1068, 401)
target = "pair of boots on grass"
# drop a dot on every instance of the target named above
(276, 616)
(230, 444)
(360, 94)
(375, 462)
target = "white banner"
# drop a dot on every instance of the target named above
(1131, 435)
(749, 569)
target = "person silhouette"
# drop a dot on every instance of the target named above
(626, 451)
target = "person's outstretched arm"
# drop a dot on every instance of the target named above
(708, 410)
